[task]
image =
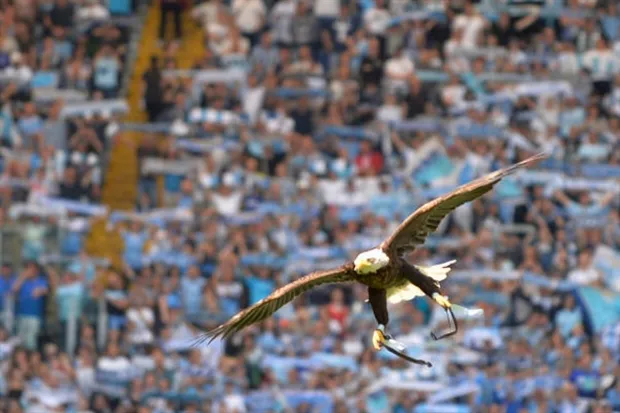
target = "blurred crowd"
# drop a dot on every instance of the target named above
(55, 55)
(306, 133)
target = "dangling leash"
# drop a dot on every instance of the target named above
(400, 350)
(454, 325)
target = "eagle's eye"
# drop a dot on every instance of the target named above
(372, 260)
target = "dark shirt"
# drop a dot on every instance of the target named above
(73, 191)
(304, 30)
(371, 71)
(503, 34)
(304, 123)
(152, 78)
(416, 103)
(112, 308)
(62, 16)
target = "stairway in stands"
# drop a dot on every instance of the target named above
(120, 185)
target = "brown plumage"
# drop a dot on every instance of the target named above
(269, 305)
(425, 220)
(394, 273)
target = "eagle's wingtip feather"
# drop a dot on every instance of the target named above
(502, 173)
(210, 336)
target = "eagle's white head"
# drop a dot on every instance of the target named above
(371, 261)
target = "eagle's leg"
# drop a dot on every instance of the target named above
(378, 302)
(445, 303)
(380, 339)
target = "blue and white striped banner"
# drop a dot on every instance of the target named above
(218, 117)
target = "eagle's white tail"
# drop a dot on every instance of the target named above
(409, 291)
(405, 293)
(437, 272)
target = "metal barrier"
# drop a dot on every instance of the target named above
(8, 312)
(102, 323)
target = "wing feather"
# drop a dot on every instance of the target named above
(269, 305)
(425, 220)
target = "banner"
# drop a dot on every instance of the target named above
(88, 108)
(71, 206)
(442, 408)
(164, 166)
(209, 76)
(602, 308)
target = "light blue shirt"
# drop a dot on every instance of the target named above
(106, 73)
(191, 293)
(69, 299)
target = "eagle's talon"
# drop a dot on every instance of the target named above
(441, 300)
(378, 338)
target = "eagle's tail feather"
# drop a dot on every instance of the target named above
(437, 272)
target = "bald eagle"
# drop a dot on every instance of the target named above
(384, 270)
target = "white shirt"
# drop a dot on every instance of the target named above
(454, 94)
(227, 205)
(390, 113)
(253, 101)
(613, 101)
(93, 12)
(377, 20)
(279, 124)
(234, 403)
(456, 63)
(22, 74)
(142, 318)
(326, 8)
(249, 14)
(119, 363)
(602, 64)
(226, 47)
(583, 276)
(280, 19)
(399, 66)
(567, 63)
(472, 27)
(206, 13)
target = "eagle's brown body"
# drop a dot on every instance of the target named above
(397, 275)
(385, 268)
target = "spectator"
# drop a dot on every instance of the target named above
(174, 8)
(250, 16)
(31, 288)
(72, 187)
(70, 294)
(191, 290)
(140, 318)
(398, 70)
(107, 71)
(117, 303)
(304, 26)
(153, 83)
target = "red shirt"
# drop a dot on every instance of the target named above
(370, 161)
(338, 313)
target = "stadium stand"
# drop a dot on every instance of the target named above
(155, 179)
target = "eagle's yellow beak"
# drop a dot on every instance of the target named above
(363, 265)
(360, 265)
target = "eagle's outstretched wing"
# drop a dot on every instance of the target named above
(269, 305)
(414, 230)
